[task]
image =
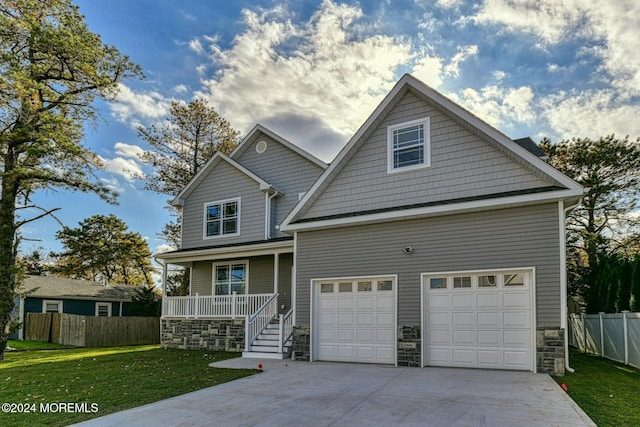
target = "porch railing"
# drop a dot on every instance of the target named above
(214, 305)
(259, 320)
(286, 329)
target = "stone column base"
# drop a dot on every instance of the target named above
(550, 350)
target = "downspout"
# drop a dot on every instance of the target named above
(563, 279)
(267, 219)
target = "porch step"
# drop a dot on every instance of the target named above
(266, 345)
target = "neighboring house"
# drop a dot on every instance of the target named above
(431, 240)
(45, 294)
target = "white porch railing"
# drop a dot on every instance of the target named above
(286, 329)
(259, 320)
(214, 305)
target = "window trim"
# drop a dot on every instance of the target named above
(221, 235)
(104, 304)
(426, 144)
(230, 263)
(51, 301)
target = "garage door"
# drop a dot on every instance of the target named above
(355, 320)
(481, 320)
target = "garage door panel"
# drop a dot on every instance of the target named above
(516, 300)
(384, 303)
(346, 319)
(516, 359)
(384, 319)
(464, 337)
(365, 335)
(439, 337)
(346, 351)
(463, 356)
(365, 303)
(490, 300)
(385, 335)
(440, 356)
(489, 358)
(460, 301)
(328, 302)
(464, 319)
(490, 337)
(327, 319)
(344, 304)
(489, 320)
(343, 335)
(516, 319)
(516, 338)
(439, 319)
(438, 301)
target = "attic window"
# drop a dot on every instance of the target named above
(261, 147)
(408, 145)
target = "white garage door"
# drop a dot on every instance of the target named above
(481, 320)
(355, 320)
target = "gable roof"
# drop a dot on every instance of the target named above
(258, 128)
(219, 157)
(565, 187)
(62, 288)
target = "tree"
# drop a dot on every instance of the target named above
(52, 68)
(610, 170)
(33, 263)
(146, 302)
(102, 248)
(181, 146)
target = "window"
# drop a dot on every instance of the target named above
(514, 279)
(462, 282)
(364, 286)
(408, 145)
(385, 285)
(222, 218)
(326, 288)
(230, 278)
(49, 306)
(103, 309)
(345, 287)
(438, 282)
(486, 281)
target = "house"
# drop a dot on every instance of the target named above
(432, 239)
(45, 294)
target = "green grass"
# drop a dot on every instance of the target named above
(607, 391)
(113, 378)
(34, 345)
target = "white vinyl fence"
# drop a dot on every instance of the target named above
(614, 336)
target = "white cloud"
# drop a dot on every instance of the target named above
(498, 106)
(180, 88)
(335, 76)
(453, 68)
(591, 114)
(126, 168)
(128, 150)
(132, 106)
(612, 28)
(196, 46)
(448, 4)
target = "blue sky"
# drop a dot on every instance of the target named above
(313, 71)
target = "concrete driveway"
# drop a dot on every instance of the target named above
(341, 394)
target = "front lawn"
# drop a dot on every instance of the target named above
(607, 391)
(34, 345)
(101, 381)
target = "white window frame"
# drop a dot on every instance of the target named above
(104, 304)
(222, 234)
(51, 301)
(230, 263)
(426, 145)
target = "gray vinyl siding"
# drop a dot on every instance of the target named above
(505, 238)
(284, 285)
(224, 182)
(283, 168)
(462, 165)
(261, 275)
(201, 278)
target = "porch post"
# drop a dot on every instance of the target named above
(164, 289)
(276, 272)
(234, 301)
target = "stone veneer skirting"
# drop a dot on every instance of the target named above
(409, 346)
(202, 334)
(301, 343)
(550, 350)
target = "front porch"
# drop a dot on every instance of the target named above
(247, 323)
(239, 299)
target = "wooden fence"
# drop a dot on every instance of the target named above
(91, 331)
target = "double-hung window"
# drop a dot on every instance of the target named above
(222, 218)
(408, 145)
(230, 278)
